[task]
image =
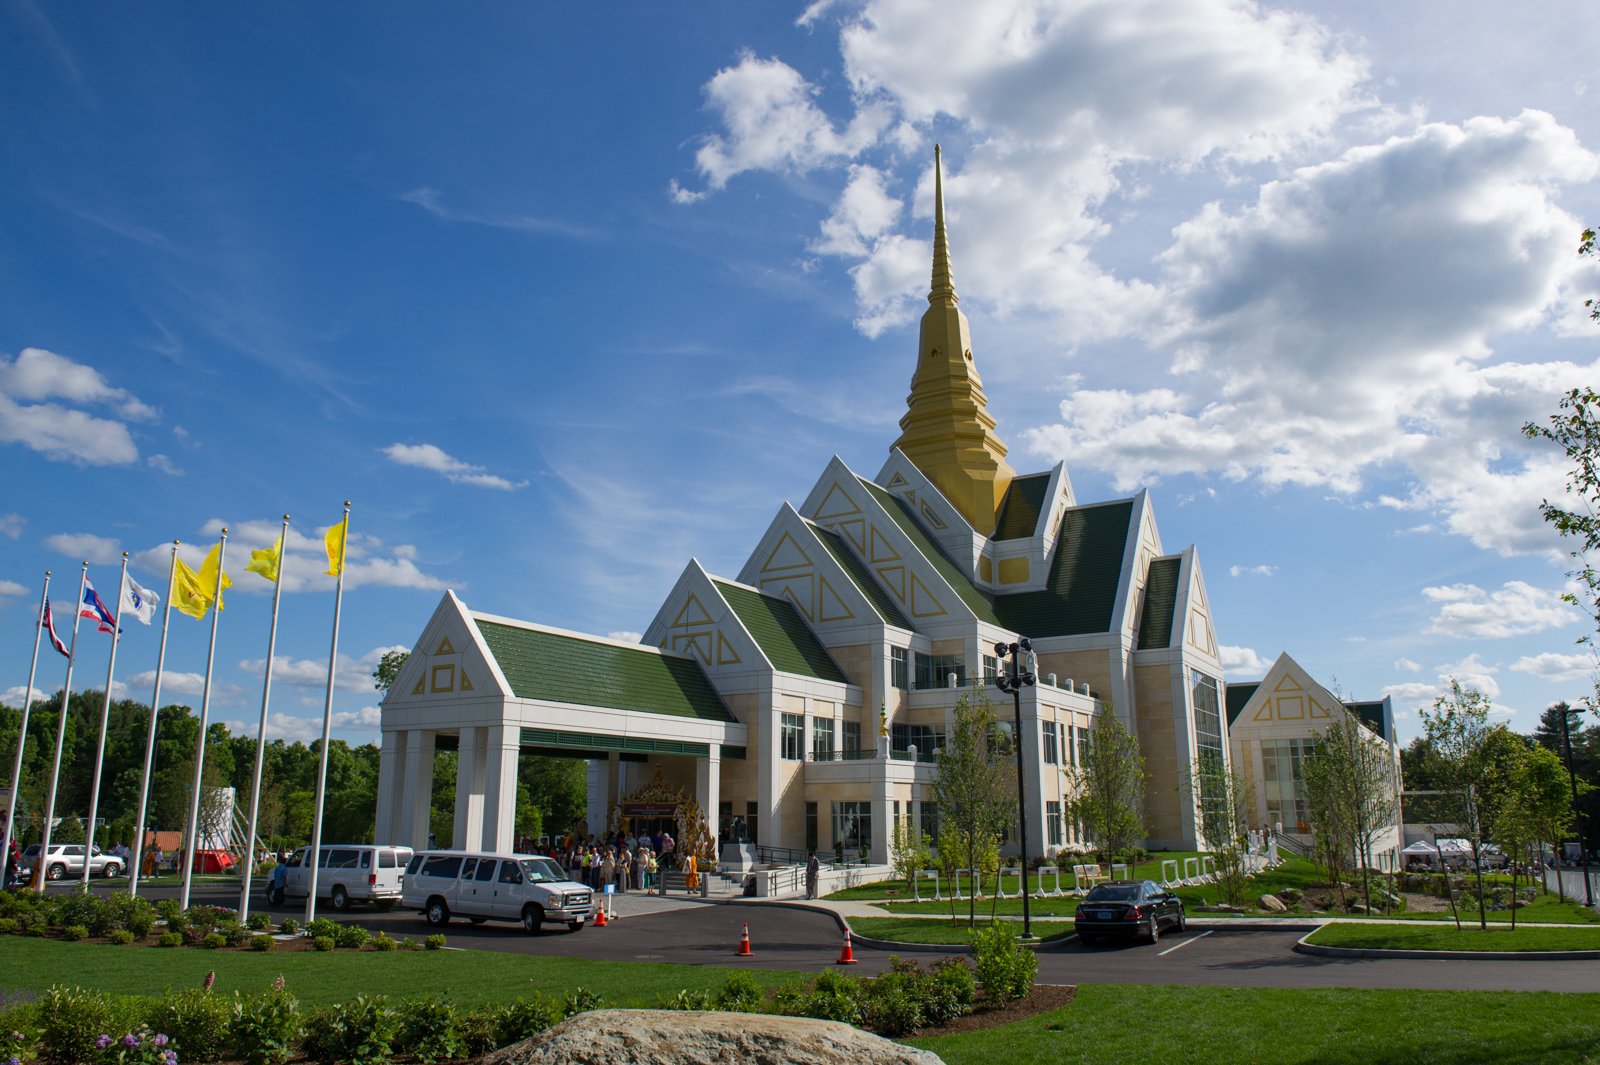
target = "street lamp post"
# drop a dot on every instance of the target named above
(1577, 814)
(1018, 678)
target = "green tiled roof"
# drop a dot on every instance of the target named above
(781, 633)
(1238, 695)
(567, 669)
(1160, 598)
(969, 593)
(881, 600)
(1019, 511)
(1082, 589)
(1369, 714)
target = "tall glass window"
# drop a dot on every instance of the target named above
(811, 826)
(933, 671)
(1208, 734)
(1283, 782)
(1081, 748)
(852, 738)
(852, 827)
(930, 821)
(822, 739)
(991, 668)
(1051, 753)
(899, 668)
(927, 738)
(1052, 820)
(792, 738)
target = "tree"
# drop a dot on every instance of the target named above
(389, 667)
(1352, 792)
(1533, 802)
(908, 850)
(1108, 787)
(1224, 799)
(1458, 736)
(976, 787)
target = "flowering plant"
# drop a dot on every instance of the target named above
(138, 1047)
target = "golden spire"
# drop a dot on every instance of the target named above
(947, 431)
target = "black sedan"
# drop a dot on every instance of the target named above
(1128, 908)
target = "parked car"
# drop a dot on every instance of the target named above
(498, 887)
(348, 873)
(1127, 908)
(67, 859)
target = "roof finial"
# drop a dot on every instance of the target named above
(944, 283)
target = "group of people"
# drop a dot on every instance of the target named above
(625, 861)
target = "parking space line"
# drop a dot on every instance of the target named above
(1185, 943)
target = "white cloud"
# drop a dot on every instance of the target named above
(176, 682)
(32, 382)
(353, 674)
(1556, 667)
(11, 588)
(293, 728)
(85, 547)
(1518, 608)
(11, 525)
(864, 212)
(1252, 571)
(165, 464)
(430, 457)
(1243, 660)
(1406, 665)
(13, 696)
(625, 636)
(1471, 671)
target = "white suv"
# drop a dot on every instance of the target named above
(68, 858)
(349, 872)
(500, 887)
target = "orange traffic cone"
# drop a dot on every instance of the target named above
(846, 956)
(600, 917)
(744, 943)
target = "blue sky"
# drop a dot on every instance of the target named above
(560, 299)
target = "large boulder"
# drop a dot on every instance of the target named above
(681, 1037)
(1273, 904)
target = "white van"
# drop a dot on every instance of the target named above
(348, 872)
(498, 887)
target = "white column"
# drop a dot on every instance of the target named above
(708, 785)
(470, 758)
(417, 801)
(1032, 753)
(595, 795)
(504, 743)
(765, 745)
(613, 785)
(391, 771)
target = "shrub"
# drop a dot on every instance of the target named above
(239, 936)
(74, 932)
(430, 1029)
(289, 926)
(407, 943)
(321, 926)
(358, 1032)
(322, 942)
(72, 1018)
(788, 998)
(178, 925)
(203, 922)
(950, 992)
(87, 911)
(581, 1000)
(122, 910)
(9, 926)
(834, 997)
(121, 937)
(167, 909)
(351, 936)
(740, 994)
(434, 942)
(1005, 967)
(266, 1027)
(170, 939)
(261, 943)
(260, 922)
(478, 1031)
(214, 941)
(690, 1000)
(195, 1020)
(889, 1005)
(524, 1019)
(381, 941)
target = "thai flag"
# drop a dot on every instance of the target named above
(95, 610)
(50, 628)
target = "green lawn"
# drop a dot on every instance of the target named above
(881, 889)
(470, 976)
(1500, 938)
(1118, 1025)
(919, 930)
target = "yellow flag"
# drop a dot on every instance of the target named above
(334, 541)
(208, 576)
(264, 561)
(186, 593)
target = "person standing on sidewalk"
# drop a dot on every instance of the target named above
(813, 874)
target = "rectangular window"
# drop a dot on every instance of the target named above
(934, 671)
(811, 826)
(1052, 820)
(1050, 750)
(852, 739)
(852, 828)
(750, 820)
(793, 730)
(1284, 783)
(899, 668)
(822, 739)
(926, 738)
(1208, 735)
(1083, 746)
(930, 822)
(991, 668)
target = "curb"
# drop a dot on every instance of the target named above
(1302, 947)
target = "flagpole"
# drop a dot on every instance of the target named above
(261, 731)
(22, 737)
(61, 736)
(150, 736)
(105, 719)
(327, 726)
(192, 840)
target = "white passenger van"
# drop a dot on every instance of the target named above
(498, 887)
(349, 872)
